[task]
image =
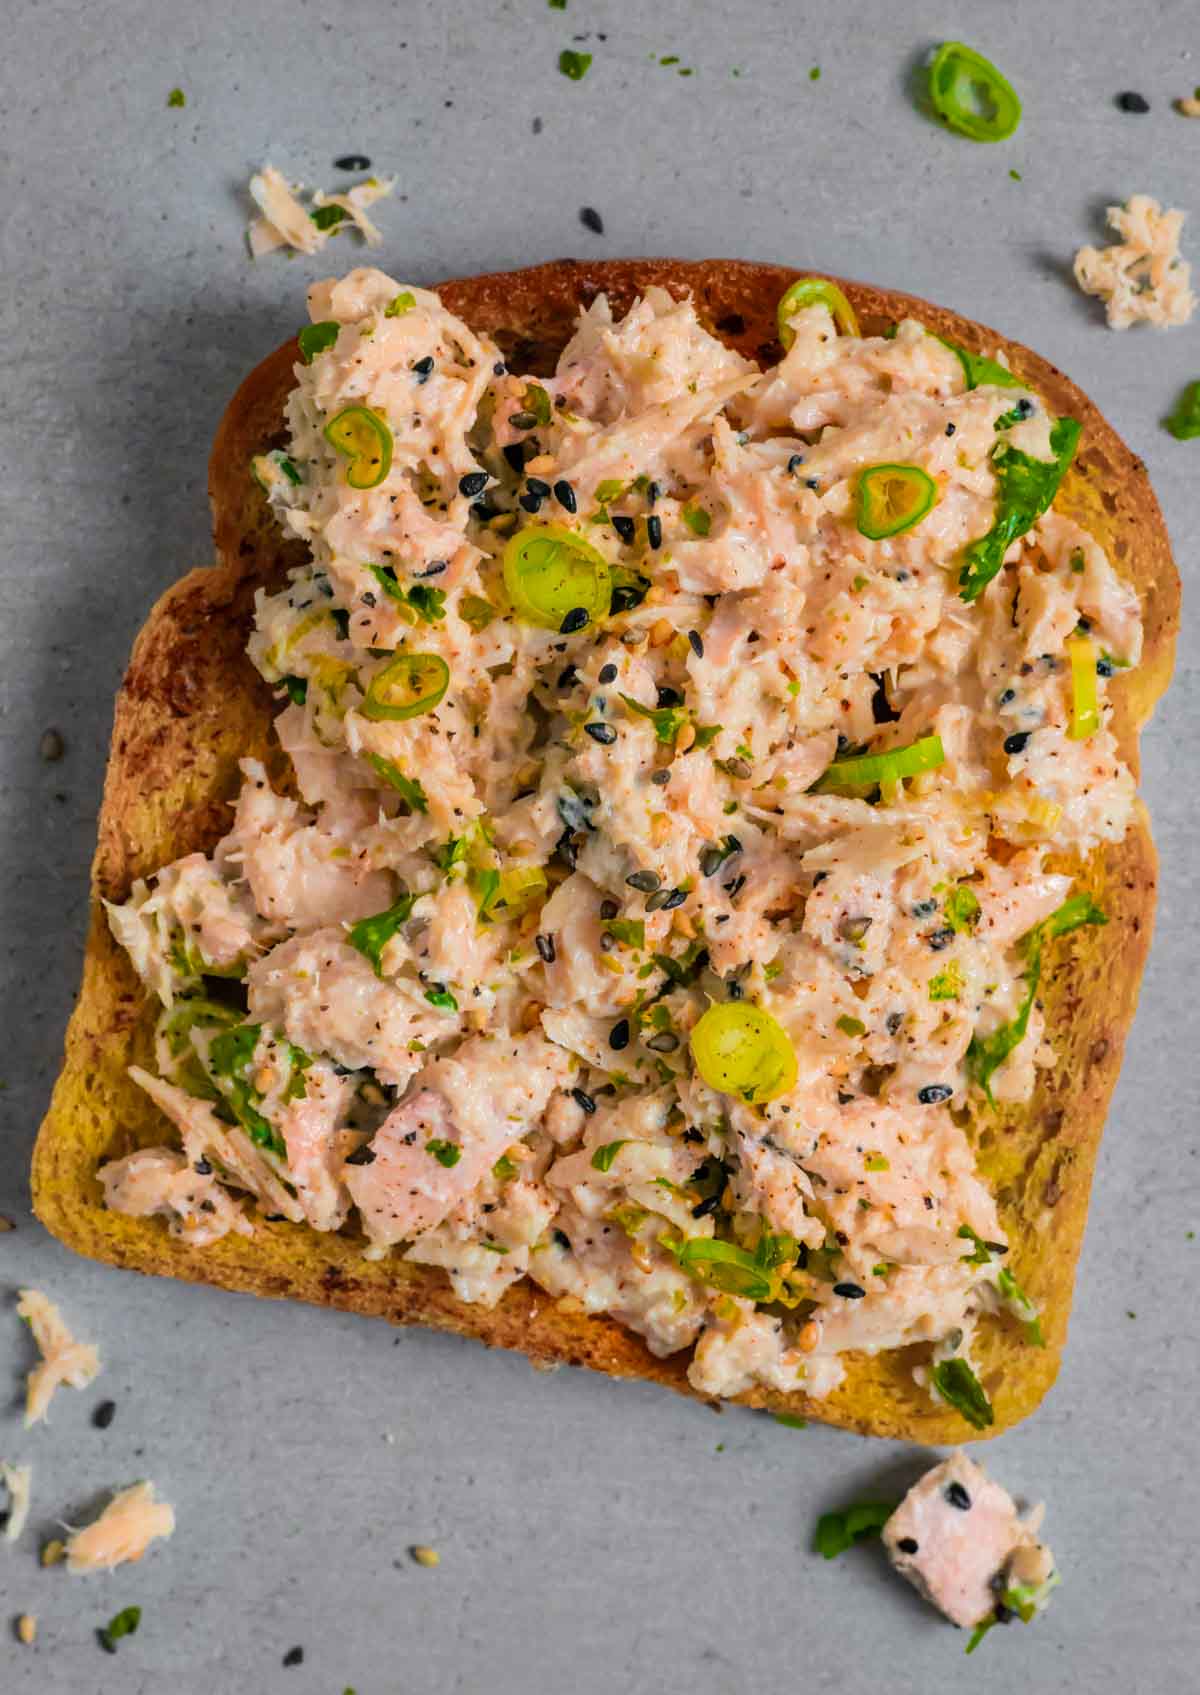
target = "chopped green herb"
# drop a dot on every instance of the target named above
(442, 999)
(537, 401)
(328, 217)
(841, 1530)
(791, 1421)
(978, 370)
(962, 908)
(408, 788)
(504, 1169)
(982, 1254)
(125, 1622)
(706, 735)
(573, 64)
(229, 1057)
(987, 1053)
(371, 935)
(421, 603)
(317, 338)
(958, 1385)
(697, 520)
(851, 1026)
(476, 611)
(667, 720)
(1026, 488)
(611, 488)
(1018, 1303)
(1184, 422)
(400, 303)
(446, 1153)
(1015, 175)
(557, 5)
(603, 1157)
(815, 74)
(177, 97)
(631, 931)
(877, 1162)
(948, 983)
(297, 689)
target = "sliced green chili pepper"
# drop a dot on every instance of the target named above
(366, 441)
(550, 571)
(970, 95)
(869, 770)
(741, 1050)
(815, 291)
(892, 499)
(410, 684)
(1085, 703)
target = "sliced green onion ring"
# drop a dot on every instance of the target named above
(970, 95)
(893, 499)
(364, 438)
(550, 571)
(1085, 700)
(871, 770)
(410, 684)
(741, 1050)
(815, 291)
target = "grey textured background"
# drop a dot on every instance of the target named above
(593, 1536)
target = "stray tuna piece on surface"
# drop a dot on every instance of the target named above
(958, 1538)
(64, 1360)
(125, 1529)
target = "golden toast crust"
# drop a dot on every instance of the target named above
(191, 705)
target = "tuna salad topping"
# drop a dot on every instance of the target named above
(682, 763)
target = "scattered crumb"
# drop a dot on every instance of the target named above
(1189, 106)
(104, 1414)
(389, 1437)
(6, 1224)
(51, 746)
(1142, 277)
(815, 74)
(177, 97)
(425, 1556)
(16, 1480)
(27, 1629)
(591, 220)
(54, 1553)
(294, 1657)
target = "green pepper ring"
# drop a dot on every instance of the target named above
(425, 676)
(815, 291)
(876, 498)
(563, 574)
(956, 71)
(364, 438)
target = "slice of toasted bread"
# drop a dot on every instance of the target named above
(191, 705)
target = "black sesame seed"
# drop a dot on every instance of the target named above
(104, 1414)
(1131, 102)
(812, 482)
(515, 454)
(472, 484)
(661, 778)
(201, 1167)
(483, 511)
(575, 620)
(893, 1022)
(734, 886)
(695, 643)
(625, 527)
(423, 368)
(608, 909)
(939, 939)
(711, 861)
(584, 1101)
(736, 991)
(499, 368)
(602, 733)
(434, 570)
(958, 1496)
(361, 1156)
(545, 947)
(951, 429)
(618, 1036)
(668, 696)
(608, 674)
(591, 220)
(644, 881)
(934, 1093)
(1007, 698)
(1104, 667)
(565, 495)
(666, 1041)
(704, 1207)
(561, 1240)
(1016, 743)
(568, 677)
(907, 1545)
(523, 420)
(535, 485)
(795, 462)
(51, 747)
(657, 901)
(653, 493)
(352, 162)
(294, 1657)
(531, 502)
(849, 1291)
(654, 530)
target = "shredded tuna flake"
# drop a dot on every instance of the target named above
(1142, 277)
(286, 222)
(64, 1360)
(123, 1532)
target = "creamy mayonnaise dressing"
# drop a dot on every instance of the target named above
(445, 987)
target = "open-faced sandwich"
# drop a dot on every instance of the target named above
(632, 852)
